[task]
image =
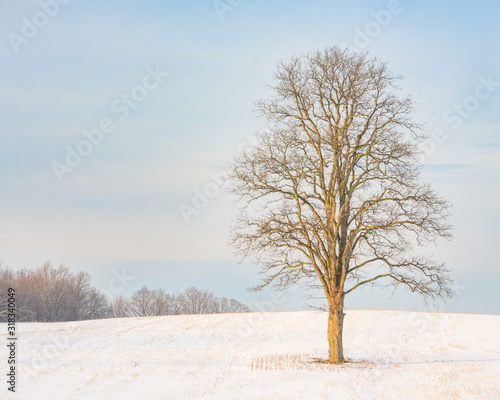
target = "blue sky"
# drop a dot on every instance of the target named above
(119, 207)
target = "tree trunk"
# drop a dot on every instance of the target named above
(335, 326)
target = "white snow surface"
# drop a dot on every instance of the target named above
(393, 355)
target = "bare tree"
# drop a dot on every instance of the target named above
(49, 294)
(52, 290)
(236, 307)
(82, 297)
(146, 302)
(19, 281)
(196, 301)
(165, 303)
(120, 307)
(141, 303)
(94, 305)
(225, 305)
(7, 279)
(330, 195)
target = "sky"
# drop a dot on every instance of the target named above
(118, 119)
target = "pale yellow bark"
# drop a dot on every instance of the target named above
(335, 327)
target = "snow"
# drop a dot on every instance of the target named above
(394, 355)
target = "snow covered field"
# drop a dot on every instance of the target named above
(395, 355)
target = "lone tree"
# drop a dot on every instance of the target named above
(330, 195)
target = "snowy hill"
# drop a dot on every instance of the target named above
(395, 355)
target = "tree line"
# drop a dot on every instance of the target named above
(153, 302)
(50, 294)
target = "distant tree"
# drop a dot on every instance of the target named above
(153, 302)
(196, 301)
(49, 294)
(331, 196)
(146, 302)
(166, 304)
(20, 282)
(237, 307)
(52, 293)
(141, 303)
(94, 305)
(224, 305)
(120, 307)
(7, 278)
(84, 301)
